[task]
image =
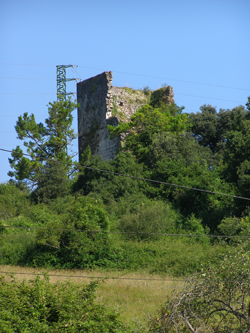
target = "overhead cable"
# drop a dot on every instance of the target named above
(26, 78)
(93, 277)
(136, 74)
(123, 232)
(144, 179)
(215, 98)
(24, 94)
(165, 183)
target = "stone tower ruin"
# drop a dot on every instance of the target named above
(102, 104)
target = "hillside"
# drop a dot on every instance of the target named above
(173, 202)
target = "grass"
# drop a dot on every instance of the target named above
(137, 296)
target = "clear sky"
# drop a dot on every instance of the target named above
(200, 47)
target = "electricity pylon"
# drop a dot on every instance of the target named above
(61, 82)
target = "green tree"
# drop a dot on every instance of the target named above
(107, 185)
(204, 126)
(52, 181)
(146, 122)
(210, 127)
(227, 134)
(179, 159)
(45, 144)
(248, 103)
(236, 152)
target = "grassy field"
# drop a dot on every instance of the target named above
(137, 296)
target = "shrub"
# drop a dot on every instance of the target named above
(14, 246)
(234, 226)
(215, 300)
(39, 306)
(77, 238)
(13, 200)
(149, 217)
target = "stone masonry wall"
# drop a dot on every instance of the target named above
(95, 101)
(102, 104)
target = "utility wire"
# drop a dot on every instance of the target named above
(32, 65)
(165, 183)
(93, 277)
(73, 69)
(218, 99)
(24, 94)
(20, 78)
(26, 78)
(16, 116)
(215, 98)
(5, 132)
(144, 179)
(193, 82)
(8, 115)
(135, 74)
(122, 232)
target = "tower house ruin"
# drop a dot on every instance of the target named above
(102, 104)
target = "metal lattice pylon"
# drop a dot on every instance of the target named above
(61, 81)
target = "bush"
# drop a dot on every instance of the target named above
(215, 300)
(233, 226)
(14, 246)
(39, 306)
(149, 217)
(193, 226)
(13, 200)
(77, 238)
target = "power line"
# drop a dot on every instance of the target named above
(26, 78)
(30, 94)
(123, 232)
(165, 183)
(32, 65)
(93, 277)
(218, 99)
(74, 70)
(16, 116)
(18, 94)
(8, 115)
(5, 132)
(136, 74)
(24, 94)
(193, 82)
(144, 179)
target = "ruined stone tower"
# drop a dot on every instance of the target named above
(101, 104)
(95, 101)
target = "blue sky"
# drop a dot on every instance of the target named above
(199, 47)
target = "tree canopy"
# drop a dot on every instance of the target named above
(48, 158)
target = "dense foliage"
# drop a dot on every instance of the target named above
(73, 232)
(54, 216)
(40, 306)
(207, 150)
